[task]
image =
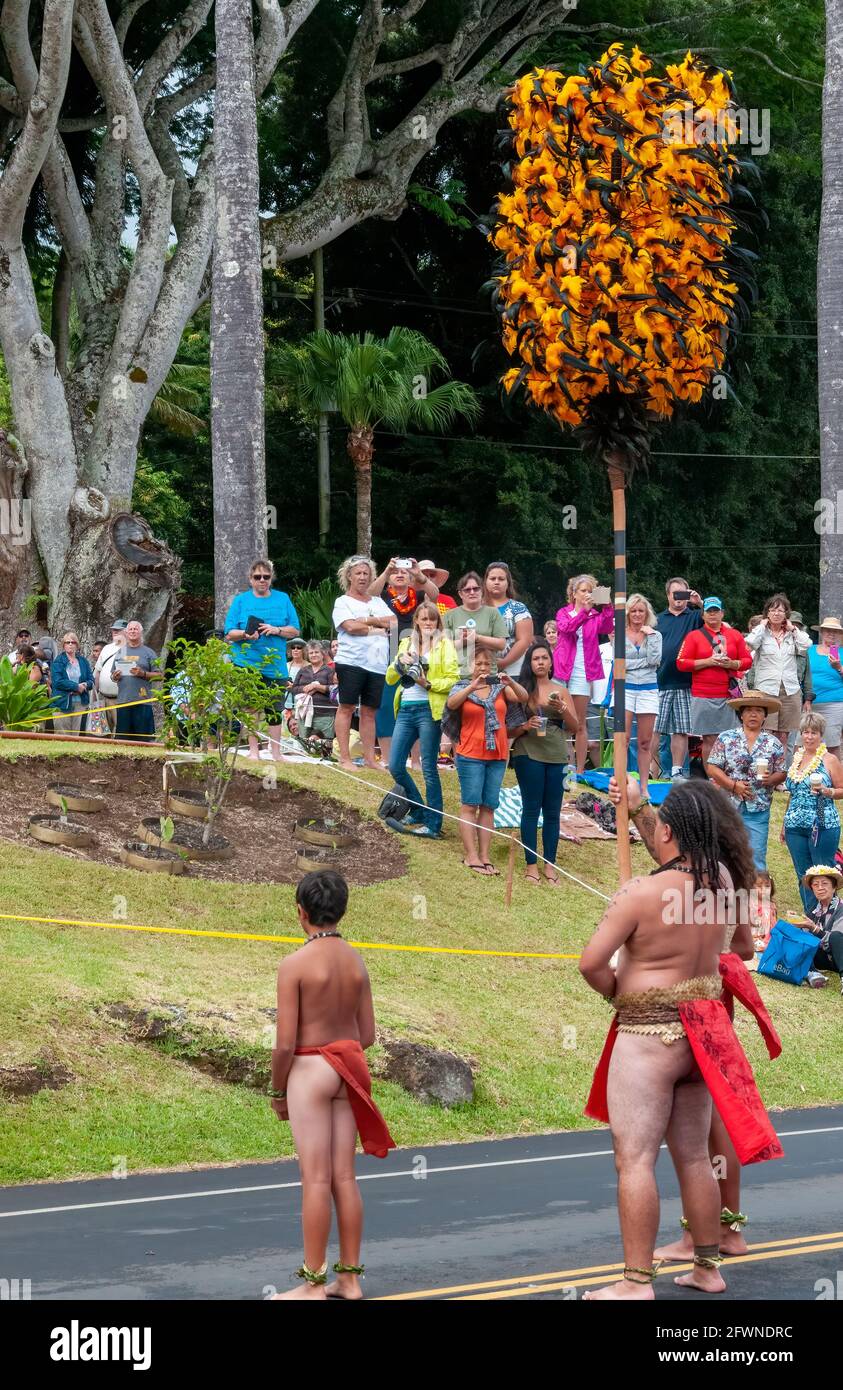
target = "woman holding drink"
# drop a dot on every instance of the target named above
(748, 763)
(811, 828)
(540, 755)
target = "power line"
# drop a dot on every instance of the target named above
(573, 449)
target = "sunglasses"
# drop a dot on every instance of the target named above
(471, 589)
(261, 577)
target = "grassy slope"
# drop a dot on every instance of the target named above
(509, 1017)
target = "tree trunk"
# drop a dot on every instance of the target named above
(237, 348)
(830, 317)
(360, 449)
(617, 482)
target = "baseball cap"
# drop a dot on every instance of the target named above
(712, 603)
(119, 624)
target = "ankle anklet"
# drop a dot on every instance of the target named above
(313, 1276)
(348, 1269)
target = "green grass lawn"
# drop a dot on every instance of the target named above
(513, 1019)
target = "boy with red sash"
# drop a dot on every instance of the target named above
(671, 1048)
(321, 1083)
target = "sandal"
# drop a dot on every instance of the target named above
(491, 871)
(477, 868)
(531, 878)
(552, 881)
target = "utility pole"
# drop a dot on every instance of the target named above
(323, 456)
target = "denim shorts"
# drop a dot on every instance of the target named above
(481, 780)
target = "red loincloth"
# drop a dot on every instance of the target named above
(348, 1059)
(739, 984)
(725, 1071)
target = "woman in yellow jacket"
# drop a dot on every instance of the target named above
(424, 670)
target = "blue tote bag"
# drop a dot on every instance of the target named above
(789, 953)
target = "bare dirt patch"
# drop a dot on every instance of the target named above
(258, 821)
(32, 1077)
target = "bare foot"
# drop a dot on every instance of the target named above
(370, 762)
(636, 1293)
(732, 1242)
(706, 1280)
(552, 877)
(682, 1249)
(348, 765)
(314, 1293)
(345, 1286)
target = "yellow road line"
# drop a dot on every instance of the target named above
(288, 940)
(671, 1269)
(758, 1251)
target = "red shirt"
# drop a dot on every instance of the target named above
(444, 602)
(712, 682)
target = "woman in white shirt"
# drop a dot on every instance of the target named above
(363, 626)
(775, 643)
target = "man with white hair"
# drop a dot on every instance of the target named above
(134, 671)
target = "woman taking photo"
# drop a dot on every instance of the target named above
(643, 657)
(478, 729)
(577, 661)
(499, 592)
(811, 827)
(776, 644)
(425, 670)
(540, 755)
(827, 679)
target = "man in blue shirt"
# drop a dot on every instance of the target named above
(259, 624)
(682, 615)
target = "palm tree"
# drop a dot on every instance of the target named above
(830, 309)
(372, 381)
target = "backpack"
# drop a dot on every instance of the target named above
(394, 805)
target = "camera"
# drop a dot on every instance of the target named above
(403, 564)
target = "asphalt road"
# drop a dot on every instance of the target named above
(514, 1218)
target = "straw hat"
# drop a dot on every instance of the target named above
(833, 625)
(755, 699)
(823, 871)
(439, 577)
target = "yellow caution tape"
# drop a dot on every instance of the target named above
(287, 940)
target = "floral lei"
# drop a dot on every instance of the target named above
(797, 772)
(404, 605)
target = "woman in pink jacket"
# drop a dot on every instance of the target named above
(576, 660)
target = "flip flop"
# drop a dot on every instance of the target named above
(476, 868)
(531, 878)
(552, 881)
(491, 871)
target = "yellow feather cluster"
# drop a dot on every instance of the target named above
(616, 233)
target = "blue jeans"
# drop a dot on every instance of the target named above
(481, 780)
(415, 721)
(757, 828)
(542, 786)
(804, 855)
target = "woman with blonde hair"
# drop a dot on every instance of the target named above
(576, 658)
(72, 682)
(643, 657)
(424, 672)
(363, 625)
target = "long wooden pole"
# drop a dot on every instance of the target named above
(617, 482)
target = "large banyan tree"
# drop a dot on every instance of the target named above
(619, 282)
(107, 159)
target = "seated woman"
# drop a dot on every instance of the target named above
(540, 756)
(425, 670)
(825, 921)
(478, 729)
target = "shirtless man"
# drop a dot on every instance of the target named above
(734, 851)
(654, 1089)
(320, 1082)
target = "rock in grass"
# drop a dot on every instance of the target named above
(432, 1076)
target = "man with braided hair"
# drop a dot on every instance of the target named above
(671, 1048)
(735, 852)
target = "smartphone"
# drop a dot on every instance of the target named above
(252, 625)
(602, 594)
(679, 594)
(403, 564)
